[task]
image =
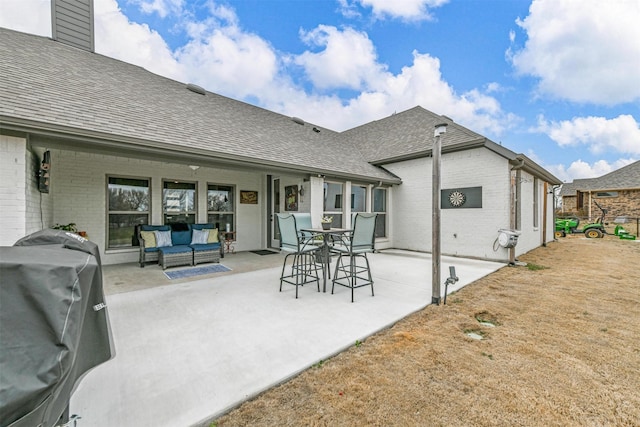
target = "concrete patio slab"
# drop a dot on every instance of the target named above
(188, 352)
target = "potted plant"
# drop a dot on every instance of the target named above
(70, 227)
(66, 227)
(326, 222)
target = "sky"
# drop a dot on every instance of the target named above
(556, 80)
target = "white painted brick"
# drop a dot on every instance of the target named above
(13, 154)
(475, 230)
(79, 190)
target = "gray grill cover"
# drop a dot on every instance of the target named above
(54, 325)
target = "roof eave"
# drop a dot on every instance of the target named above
(534, 169)
(466, 145)
(72, 138)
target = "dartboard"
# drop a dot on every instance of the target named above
(457, 198)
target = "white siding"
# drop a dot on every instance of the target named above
(79, 190)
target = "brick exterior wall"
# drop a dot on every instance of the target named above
(626, 203)
(13, 160)
(464, 232)
(79, 182)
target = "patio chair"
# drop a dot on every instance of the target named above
(303, 220)
(353, 247)
(303, 269)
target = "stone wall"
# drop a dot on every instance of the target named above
(626, 203)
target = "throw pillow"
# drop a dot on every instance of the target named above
(213, 236)
(163, 238)
(149, 238)
(199, 237)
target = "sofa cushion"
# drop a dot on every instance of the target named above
(199, 237)
(153, 249)
(149, 238)
(163, 238)
(175, 249)
(213, 236)
(180, 237)
(206, 247)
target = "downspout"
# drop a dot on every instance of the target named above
(512, 219)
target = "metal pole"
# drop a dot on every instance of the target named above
(435, 229)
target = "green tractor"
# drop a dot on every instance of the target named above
(569, 225)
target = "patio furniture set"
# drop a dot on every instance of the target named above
(312, 248)
(179, 244)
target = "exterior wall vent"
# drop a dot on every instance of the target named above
(298, 120)
(72, 23)
(197, 89)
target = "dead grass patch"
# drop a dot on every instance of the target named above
(565, 351)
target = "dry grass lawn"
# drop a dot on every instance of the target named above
(565, 351)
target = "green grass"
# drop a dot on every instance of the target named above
(535, 267)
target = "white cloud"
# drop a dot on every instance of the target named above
(348, 59)
(13, 13)
(580, 169)
(409, 10)
(582, 51)
(161, 7)
(117, 37)
(620, 134)
(420, 83)
(224, 58)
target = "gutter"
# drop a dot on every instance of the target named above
(57, 136)
(429, 152)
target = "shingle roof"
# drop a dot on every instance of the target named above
(407, 134)
(49, 88)
(625, 178)
(49, 85)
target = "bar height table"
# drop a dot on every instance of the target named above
(325, 248)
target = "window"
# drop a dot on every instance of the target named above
(607, 194)
(128, 205)
(380, 207)
(221, 206)
(358, 198)
(179, 202)
(333, 195)
(535, 202)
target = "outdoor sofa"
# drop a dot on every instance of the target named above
(179, 244)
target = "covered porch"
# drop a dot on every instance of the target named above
(189, 350)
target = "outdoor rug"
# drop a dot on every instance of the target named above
(196, 271)
(264, 252)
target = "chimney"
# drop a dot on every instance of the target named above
(72, 23)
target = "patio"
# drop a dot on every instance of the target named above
(189, 350)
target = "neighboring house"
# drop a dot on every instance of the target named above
(618, 192)
(128, 147)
